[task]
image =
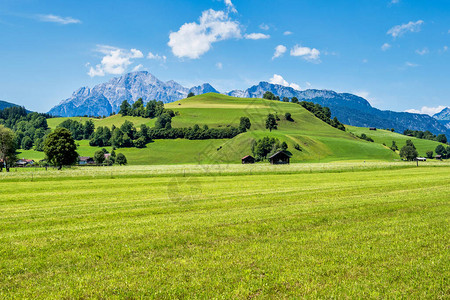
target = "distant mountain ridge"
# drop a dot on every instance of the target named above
(349, 109)
(105, 98)
(443, 117)
(5, 104)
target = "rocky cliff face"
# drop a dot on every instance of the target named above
(107, 97)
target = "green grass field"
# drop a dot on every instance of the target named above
(319, 141)
(335, 230)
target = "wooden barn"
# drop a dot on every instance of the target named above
(85, 160)
(248, 159)
(280, 158)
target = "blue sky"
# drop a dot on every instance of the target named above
(393, 52)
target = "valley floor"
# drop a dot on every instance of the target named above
(337, 230)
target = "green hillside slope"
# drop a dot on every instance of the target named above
(318, 140)
(381, 136)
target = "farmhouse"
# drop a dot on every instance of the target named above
(279, 158)
(85, 160)
(421, 159)
(438, 157)
(24, 162)
(248, 159)
(372, 128)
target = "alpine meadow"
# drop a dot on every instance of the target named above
(291, 150)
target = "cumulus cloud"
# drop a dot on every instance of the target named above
(279, 51)
(399, 30)
(309, 54)
(425, 110)
(58, 19)
(194, 39)
(230, 6)
(287, 33)
(115, 60)
(257, 36)
(150, 55)
(385, 46)
(137, 68)
(278, 79)
(422, 51)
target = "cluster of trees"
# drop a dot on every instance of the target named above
(323, 113)
(128, 136)
(30, 128)
(443, 151)
(101, 159)
(79, 130)
(409, 151)
(426, 135)
(121, 137)
(152, 110)
(7, 148)
(267, 146)
(365, 137)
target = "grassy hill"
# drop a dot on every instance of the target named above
(381, 136)
(318, 140)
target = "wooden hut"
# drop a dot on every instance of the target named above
(280, 158)
(248, 159)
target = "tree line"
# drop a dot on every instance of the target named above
(127, 135)
(151, 110)
(321, 112)
(426, 135)
(30, 128)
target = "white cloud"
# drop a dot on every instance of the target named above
(410, 64)
(279, 51)
(399, 30)
(445, 49)
(115, 61)
(195, 39)
(150, 55)
(219, 66)
(395, 1)
(425, 110)
(423, 51)
(365, 61)
(230, 6)
(385, 46)
(309, 54)
(287, 33)
(278, 79)
(58, 19)
(257, 36)
(264, 26)
(137, 68)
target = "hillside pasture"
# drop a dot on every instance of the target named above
(381, 136)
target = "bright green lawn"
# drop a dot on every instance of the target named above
(363, 234)
(381, 136)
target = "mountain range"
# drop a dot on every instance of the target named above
(105, 98)
(443, 117)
